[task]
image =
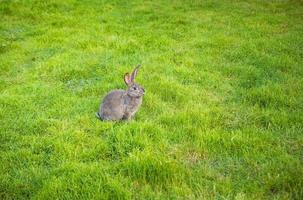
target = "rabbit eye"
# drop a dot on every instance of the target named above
(134, 88)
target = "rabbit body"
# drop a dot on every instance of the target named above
(118, 105)
(122, 104)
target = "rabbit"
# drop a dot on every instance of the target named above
(122, 104)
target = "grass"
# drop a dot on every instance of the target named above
(221, 119)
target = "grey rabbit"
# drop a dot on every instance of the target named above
(122, 104)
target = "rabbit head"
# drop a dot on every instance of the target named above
(134, 90)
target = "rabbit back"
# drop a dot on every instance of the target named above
(112, 107)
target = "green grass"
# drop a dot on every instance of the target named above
(222, 117)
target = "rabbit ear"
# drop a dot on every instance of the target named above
(134, 73)
(127, 79)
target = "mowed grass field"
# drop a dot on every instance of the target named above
(222, 117)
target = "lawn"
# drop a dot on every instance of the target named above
(222, 117)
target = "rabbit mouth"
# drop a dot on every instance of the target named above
(142, 92)
(136, 95)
